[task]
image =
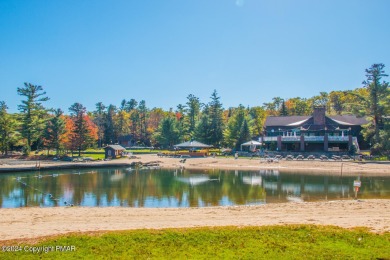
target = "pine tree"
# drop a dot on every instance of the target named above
(193, 105)
(99, 117)
(377, 98)
(167, 133)
(245, 134)
(84, 132)
(109, 128)
(216, 120)
(143, 115)
(233, 135)
(202, 130)
(8, 125)
(54, 132)
(283, 109)
(33, 113)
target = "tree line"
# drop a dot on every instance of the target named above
(37, 127)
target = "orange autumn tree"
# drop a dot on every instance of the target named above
(84, 132)
(66, 141)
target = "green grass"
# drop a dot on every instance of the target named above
(274, 242)
(95, 156)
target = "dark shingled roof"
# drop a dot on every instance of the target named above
(284, 120)
(115, 147)
(192, 144)
(287, 120)
(350, 119)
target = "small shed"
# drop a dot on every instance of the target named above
(113, 151)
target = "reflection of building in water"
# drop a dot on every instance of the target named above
(269, 172)
(194, 180)
(303, 189)
(252, 180)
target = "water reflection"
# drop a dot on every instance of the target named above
(180, 188)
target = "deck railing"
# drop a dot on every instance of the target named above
(338, 138)
(314, 138)
(307, 138)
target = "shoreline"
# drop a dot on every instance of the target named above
(310, 167)
(27, 224)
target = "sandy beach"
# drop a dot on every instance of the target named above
(30, 223)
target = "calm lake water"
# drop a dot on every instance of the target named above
(178, 188)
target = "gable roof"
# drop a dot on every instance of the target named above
(192, 144)
(299, 120)
(349, 120)
(115, 147)
(252, 142)
(285, 120)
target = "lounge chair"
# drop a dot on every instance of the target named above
(336, 158)
(345, 157)
(263, 160)
(311, 157)
(324, 158)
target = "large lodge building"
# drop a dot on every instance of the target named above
(314, 133)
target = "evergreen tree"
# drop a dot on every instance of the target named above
(131, 104)
(233, 132)
(134, 121)
(377, 99)
(283, 109)
(277, 102)
(8, 125)
(202, 131)
(181, 122)
(54, 132)
(123, 105)
(167, 133)
(143, 115)
(33, 113)
(109, 126)
(193, 105)
(99, 118)
(84, 132)
(215, 112)
(245, 134)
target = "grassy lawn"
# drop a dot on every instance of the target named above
(274, 242)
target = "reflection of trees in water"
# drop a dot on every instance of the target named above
(119, 187)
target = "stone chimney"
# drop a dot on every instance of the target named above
(319, 115)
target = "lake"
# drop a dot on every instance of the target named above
(156, 188)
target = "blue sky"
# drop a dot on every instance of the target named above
(163, 50)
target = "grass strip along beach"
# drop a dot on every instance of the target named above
(277, 242)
